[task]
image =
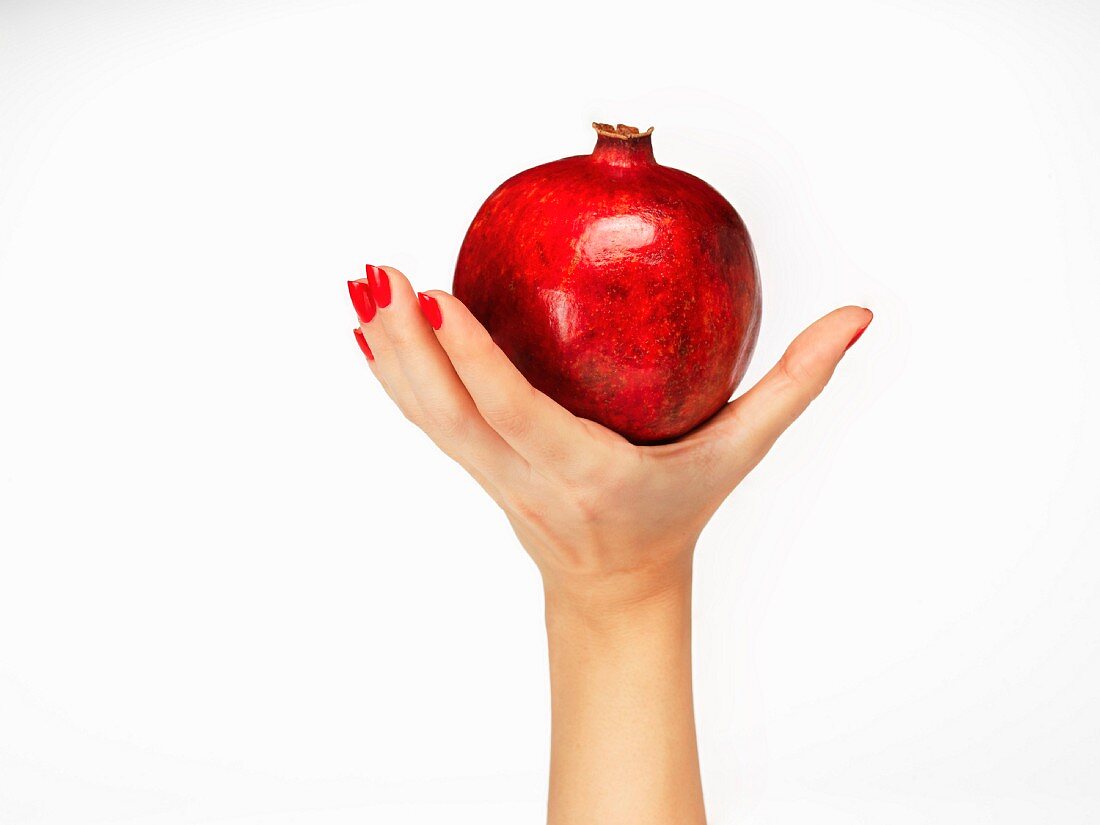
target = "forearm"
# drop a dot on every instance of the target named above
(623, 746)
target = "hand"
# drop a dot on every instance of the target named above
(602, 518)
(611, 526)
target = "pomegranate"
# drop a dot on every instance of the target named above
(625, 290)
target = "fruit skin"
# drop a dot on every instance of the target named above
(625, 290)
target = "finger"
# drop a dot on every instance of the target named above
(363, 302)
(750, 425)
(385, 364)
(441, 405)
(406, 402)
(366, 350)
(371, 340)
(550, 437)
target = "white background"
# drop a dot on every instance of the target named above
(237, 587)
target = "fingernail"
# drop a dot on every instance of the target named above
(858, 334)
(379, 285)
(362, 301)
(363, 345)
(430, 307)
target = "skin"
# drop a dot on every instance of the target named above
(612, 528)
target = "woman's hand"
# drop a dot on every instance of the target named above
(606, 521)
(611, 526)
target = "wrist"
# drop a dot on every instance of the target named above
(620, 600)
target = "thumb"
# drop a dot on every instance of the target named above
(750, 425)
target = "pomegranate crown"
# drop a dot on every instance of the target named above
(620, 131)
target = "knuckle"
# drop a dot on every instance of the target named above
(481, 345)
(446, 421)
(797, 373)
(399, 336)
(523, 508)
(588, 506)
(508, 419)
(475, 347)
(411, 415)
(580, 476)
(599, 491)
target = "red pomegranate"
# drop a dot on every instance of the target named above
(625, 290)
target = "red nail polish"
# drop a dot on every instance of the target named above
(379, 285)
(430, 307)
(363, 345)
(855, 338)
(362, 301)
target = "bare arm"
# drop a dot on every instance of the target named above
(623, 737)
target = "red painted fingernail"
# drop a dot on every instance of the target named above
(362, 301)
(855, 338)
(858, 334)
(379, 285)
(363, 345)
(430, 307)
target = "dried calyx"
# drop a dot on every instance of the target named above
(620, 131)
